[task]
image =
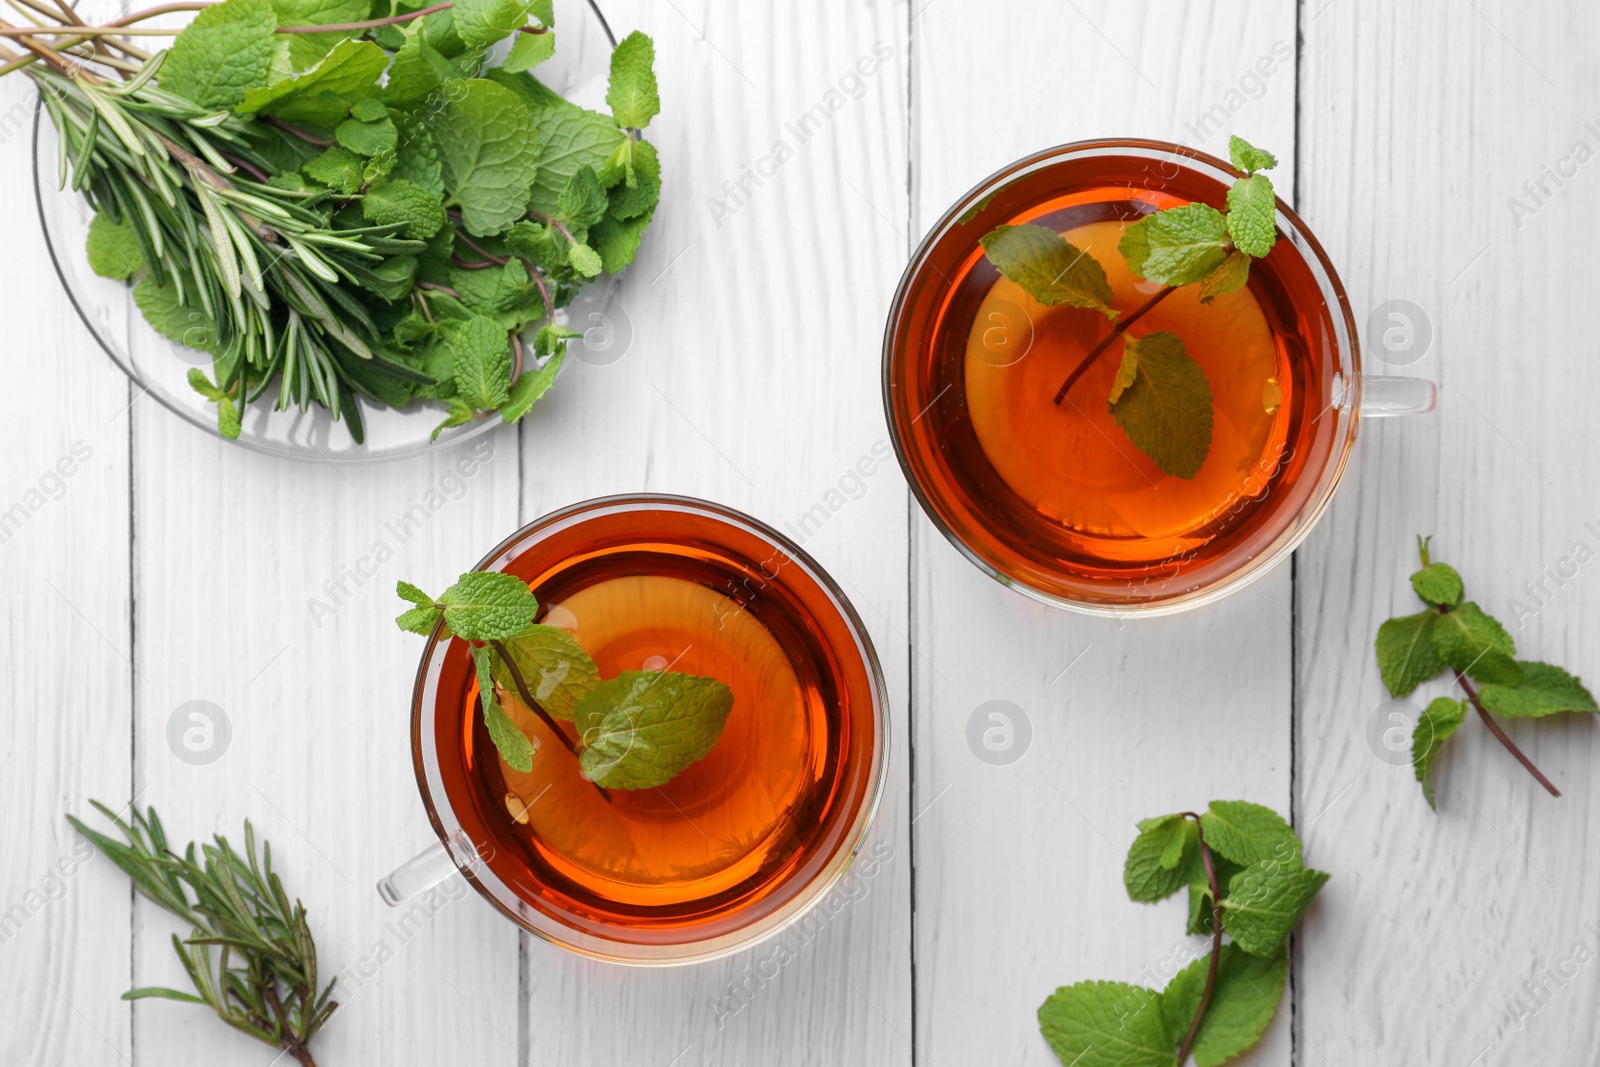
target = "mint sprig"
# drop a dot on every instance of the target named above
(1160, 397)
(1458, 636)
(638, 730)
(1243, 861)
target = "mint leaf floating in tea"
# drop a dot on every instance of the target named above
(1242, 863)
(303, 191)
(1457, 635)
(635, 731)
(641, 728)
(1160, 396)
(250, 954)
(1162, 401)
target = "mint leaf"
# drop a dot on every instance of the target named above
(113, 248)
(530, 387)
(632, 94)
(416, 158)
(512, 744)
(1474, 643)
(1107, 1024)
(1166, 410)
(1200, 899)
(556, 669)
(396, 201)
(1434, 726)
(368, 138)
(1048, 268)
(229, 423)
(1264, 902)
(1545, 689)
(481, 23)
(638, 194)
(482, 359)
(582, 202)
(641, 728)
(225, 51)
(1177, 246)
(420, 619)
(418, 71)
(323, 95)
(617, 240)
(529, 50)
(1243, 1002)
(338, 168)
(1406, 656)
(459, 414)
(571, 137)
(585, 260)
(488, 606)
(1230, 277)
(1252, 215)
(306, 49)
(171, 319)
(1438, 584)
(1249, 833)
(489, 150)
(1248, 158)
(1147, 873)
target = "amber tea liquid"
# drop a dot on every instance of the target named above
(734, 835)
(1056, 495)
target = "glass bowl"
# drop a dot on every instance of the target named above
(160, 367)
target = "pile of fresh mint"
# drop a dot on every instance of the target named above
(342, 198)
(1241, 864)
(1455, 635)
(635, 731)
(1160, 397)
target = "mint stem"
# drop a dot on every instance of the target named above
(1216, 920)
(1105, 342)
(535, 707)
(1488, 720)
(290, 128)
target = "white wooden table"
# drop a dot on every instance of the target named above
(170, 567)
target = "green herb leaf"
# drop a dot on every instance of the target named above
(306, 49)
(1252, 215)
(1438, 584)
(638, 194)
(481, 23)
(617, 240)
(571, 137)
(529, 50)
(1248, 833)
(530, 387)
(489, 606)
(490, 153)
(583, 202)
(641, 728)
(1166, 409)
(1147, 874)
(1248, 158)
(1264, 902)
(173, 320)
(1230, 277)
(1200, 899)
(1434, 726)
(1107, 1024)
(323, 95)
(113, 247)
(556, 669)
(632, 94)
(1545, 689)
(1406, 655)
(1243, 1002)
(509, 740)
(396, 201)
(1473, 642)
(1177, 246)
(419, 69)
(422, 618)
(1049, 269)
(482, 360)
(338, 168)
(226, 50)
(368, 138)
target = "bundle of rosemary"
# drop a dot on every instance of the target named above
(343, 198)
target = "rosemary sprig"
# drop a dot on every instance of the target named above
(250, 955)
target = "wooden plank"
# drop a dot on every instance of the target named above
(64, 914)
(1420, 125)
(1019, 886)
(751, 379)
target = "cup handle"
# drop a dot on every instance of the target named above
(1383, 396)
(425, 870)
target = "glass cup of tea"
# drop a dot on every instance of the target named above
(1052, 498)
(731, 849)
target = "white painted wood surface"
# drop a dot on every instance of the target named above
(751, 377)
